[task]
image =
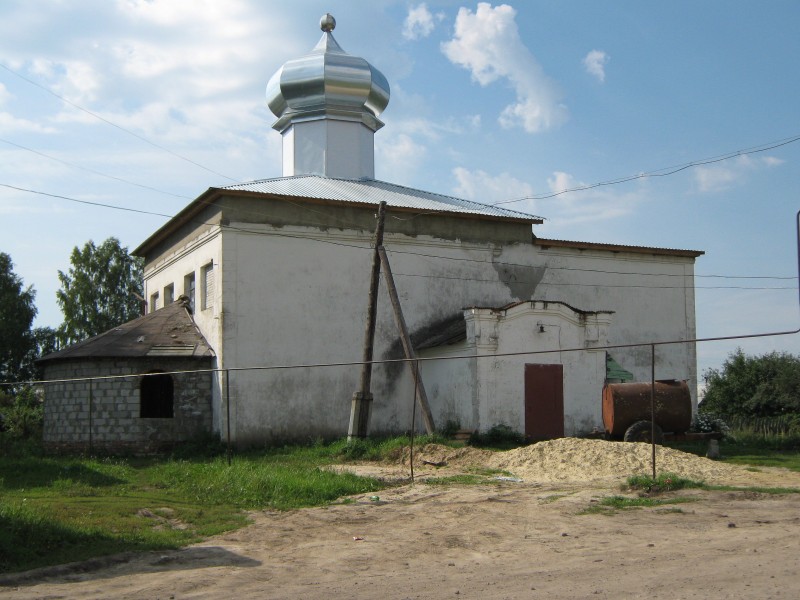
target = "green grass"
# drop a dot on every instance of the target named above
(756, 453)
(55, 510)
(666, 482)
(755, 488)
(466, 479)
(623, 502)
(552, 498)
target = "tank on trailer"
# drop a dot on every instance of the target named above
(625, 404)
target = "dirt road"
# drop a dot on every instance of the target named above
(538, 537)
(498, 540)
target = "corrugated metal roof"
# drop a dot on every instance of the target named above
(169, 331)
(372, 191)
(544, 242)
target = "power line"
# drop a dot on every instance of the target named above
(665, 171)
(584, 270)
(90, 203)
(604, 285)
(421, 254)
(74, 166)
(120, 127)
(662, 172)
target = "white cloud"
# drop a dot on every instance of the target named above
(487, 43)
(569, 208)
(9, 123)
(723, 176)
(482, 187)
(419, 22)
(398, 157)
(595, 63)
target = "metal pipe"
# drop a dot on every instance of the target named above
(653, 406)
(91, 424)
(413, 421)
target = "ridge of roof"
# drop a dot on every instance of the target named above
(395, 195)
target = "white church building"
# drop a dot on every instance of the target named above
(277, 273)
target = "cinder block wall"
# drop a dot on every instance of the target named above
(107, 416)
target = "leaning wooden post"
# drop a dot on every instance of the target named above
(427, 416)
(362, 399)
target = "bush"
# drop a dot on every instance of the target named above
(754, 386)
(498, 436)
(708, 422)
(21, 415)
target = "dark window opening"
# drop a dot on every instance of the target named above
(156, 396)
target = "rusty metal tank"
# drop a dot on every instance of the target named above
(627, 403)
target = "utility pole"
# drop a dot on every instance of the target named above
(362, 399)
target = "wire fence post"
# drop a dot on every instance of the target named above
(91, 424)
(228, 413)
(413, 420)
(653, 406)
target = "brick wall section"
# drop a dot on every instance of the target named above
(114, 412)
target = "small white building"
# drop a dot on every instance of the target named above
(278, 272)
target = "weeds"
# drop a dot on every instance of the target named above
(456, 480)
(499, 437)
(664, 482)
(58, 509)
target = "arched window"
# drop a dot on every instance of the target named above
(156, 396)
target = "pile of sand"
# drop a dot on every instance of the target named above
(577, 460)
(574, 459)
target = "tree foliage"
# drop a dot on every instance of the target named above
(754, 386)
(17, 310)
(101, 290)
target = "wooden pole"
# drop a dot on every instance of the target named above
(362, 399)
(427, 416)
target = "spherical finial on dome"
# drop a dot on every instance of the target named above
(327, 23)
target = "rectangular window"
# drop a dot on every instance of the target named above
(207, 286)
(154, 302)
(188, 289)
(169, 294)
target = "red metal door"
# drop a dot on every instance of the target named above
(544, 401)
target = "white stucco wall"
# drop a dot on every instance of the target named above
(298, 301)
(499, 381)
(172, 268)
(656, 303)
(298, 295)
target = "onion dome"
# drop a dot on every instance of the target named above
(327, 82)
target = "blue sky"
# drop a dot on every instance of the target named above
(491, 102)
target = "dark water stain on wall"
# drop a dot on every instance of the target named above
(521, 280)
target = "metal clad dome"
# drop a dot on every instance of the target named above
(327, 80)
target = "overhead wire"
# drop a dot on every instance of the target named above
(368, 247)
(115, 125)
(662, 172)
(94, 171)
(605, 285)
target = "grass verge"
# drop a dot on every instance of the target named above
(764, 453)
(54, 510)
